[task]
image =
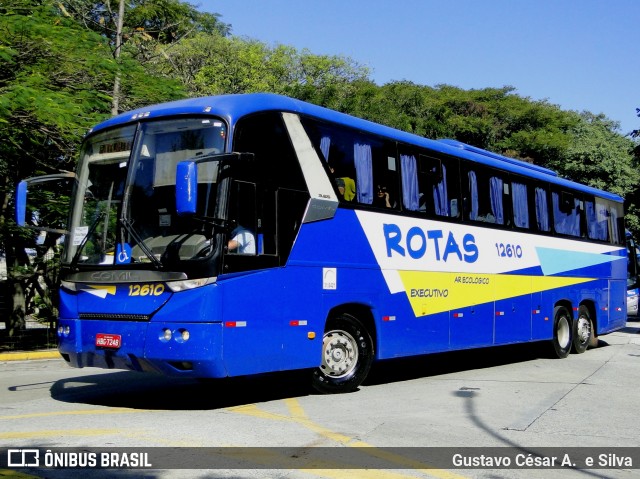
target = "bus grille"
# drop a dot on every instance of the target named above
(115, 317)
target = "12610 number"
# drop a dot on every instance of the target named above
(146, 289)
(509, 250)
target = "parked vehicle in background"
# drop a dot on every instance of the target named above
(633, 270)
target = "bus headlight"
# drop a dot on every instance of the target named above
(183, 285)
(166, 335)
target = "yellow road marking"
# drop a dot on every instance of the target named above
(80, 412)
(56, 433)
(7, 474)
(299, 416)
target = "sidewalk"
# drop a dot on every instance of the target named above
(27, 355)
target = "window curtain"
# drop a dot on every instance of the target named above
(520, 205)
(364, 172)
(496, 192)
(568, 224)
(614, 215)
(542, 209)
(473, 192)
(410, 193)
(440, 197)
(325, 145)
(597, 224)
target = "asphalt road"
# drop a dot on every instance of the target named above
(512, 398)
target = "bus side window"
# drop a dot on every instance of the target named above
(243, 238)
(429, 184)
(385, 176)
(597, 219)
(485, 198)
(437, 187)
(566, 213)
(335, 147)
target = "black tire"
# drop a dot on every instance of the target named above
(562, 332)
(582, 331)
(347, 355)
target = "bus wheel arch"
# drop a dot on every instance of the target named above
(562, 330)
(584, 329)
(347, 351)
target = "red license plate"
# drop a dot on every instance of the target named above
(113, 341)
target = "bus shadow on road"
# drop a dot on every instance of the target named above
(127, 389)
(416, 367)
(631, 330)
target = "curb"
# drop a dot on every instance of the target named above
(28, 355)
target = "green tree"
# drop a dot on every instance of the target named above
(49, 95)
(55, 83)
(600, 157)
(147, 24)
(211, 64)
(140, 30)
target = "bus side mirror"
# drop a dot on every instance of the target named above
(21, 203)
(58, 190)
(186, 188)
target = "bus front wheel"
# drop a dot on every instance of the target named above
(562, 331)
(347, 355)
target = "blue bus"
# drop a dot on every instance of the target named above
(243, 234)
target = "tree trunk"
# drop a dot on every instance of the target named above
(15, 296)
(116, 83)
(16, 322)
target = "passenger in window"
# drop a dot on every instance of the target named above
(346, 186)
(382, 199)
(242, 241)
(349, 188)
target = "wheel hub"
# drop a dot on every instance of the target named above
(584, 329)
(340, 353)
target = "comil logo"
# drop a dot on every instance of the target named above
(23, 458)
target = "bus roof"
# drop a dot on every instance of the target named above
(233, 107)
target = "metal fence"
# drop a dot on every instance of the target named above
(36, 334)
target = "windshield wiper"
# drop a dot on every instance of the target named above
(126, 224)
(90, 231)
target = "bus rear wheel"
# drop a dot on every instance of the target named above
(347, 355)
(582, 331)
(562, 332)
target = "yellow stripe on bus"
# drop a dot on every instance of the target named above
(433, 292)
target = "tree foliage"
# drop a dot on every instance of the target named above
(147, 24)
(213, 64)
(55, 82)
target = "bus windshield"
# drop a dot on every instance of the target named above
(124, 209)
